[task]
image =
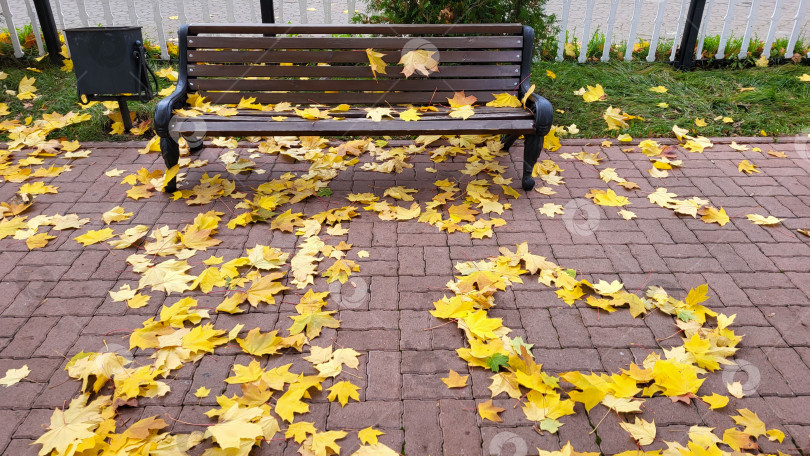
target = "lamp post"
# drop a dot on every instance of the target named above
(48, 25)
(691, 30)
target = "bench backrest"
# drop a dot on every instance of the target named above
(276, 63)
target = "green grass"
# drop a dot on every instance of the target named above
(57, 92)
(780, 103)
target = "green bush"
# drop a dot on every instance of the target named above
(526, 12)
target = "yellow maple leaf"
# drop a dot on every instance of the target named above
(454, 380)
(340, 270)
(550, 209)
(376, 114)
(592, 94)
(343, 391)
(94, 236)
(115, 214)
(762, 220)
(26, 89)
(658, 89)
(368, 436)
(804, 78)
(14, 376)
(551, 74)
(738, 440)
(753, 425)
(258, 344)
(615, 118)
(376, 62)
(138, 301)
(700, 122)
(202, 392)
(710, 214)
(488, 411)
(715, 401)
(643, 432)
(504, 100)
(234, 425)
(37, 188)
(463, 112)
(262, 290)
(70, 427)
(418, 60)
(747, 167)
(410, 115)
(38, 241)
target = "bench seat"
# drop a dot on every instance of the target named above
(324, 66)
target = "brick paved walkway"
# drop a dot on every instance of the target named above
(54, 302)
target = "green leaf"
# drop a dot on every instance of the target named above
(550, 425)
(685, 315)
(325, 192)
(572, 273)
(497, 360)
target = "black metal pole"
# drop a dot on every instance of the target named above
(685, 60)
(268, 15)
(48, 25)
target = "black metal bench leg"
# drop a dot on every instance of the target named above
(508, 140)
(171, 154)
(532, 146)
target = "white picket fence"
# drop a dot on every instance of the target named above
(619, 20)
(762, 16)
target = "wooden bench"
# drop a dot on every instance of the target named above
(226, 62)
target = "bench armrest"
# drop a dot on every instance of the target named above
(163, 111)
(543, 113)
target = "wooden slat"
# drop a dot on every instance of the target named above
(341, 56)
(398, 43)
(355, 29)
(481, 111)
(344, 97)
(362, 71)
(360, 127)
(292, 118)
(345, 85)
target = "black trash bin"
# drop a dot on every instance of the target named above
(110, 64)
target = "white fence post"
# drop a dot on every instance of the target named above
(108, 16)
(659, 18)
(631, 40)
(229, 10)
(164, 49)
(82, 12)
(15, 40)
(563, 26)
(350, 10)
(777, 13)
(181, 12)
(133, 14)
(614, 6)
(706, 15)
(681, 20)
(206, 13)
(752, 15)
(35, 27)
(586, 31)
(302, 8)
(327, 11)
(59, 14)
(794, 35)
(721, 48)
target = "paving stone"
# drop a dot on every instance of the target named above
(459, 431)
(423, 434)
